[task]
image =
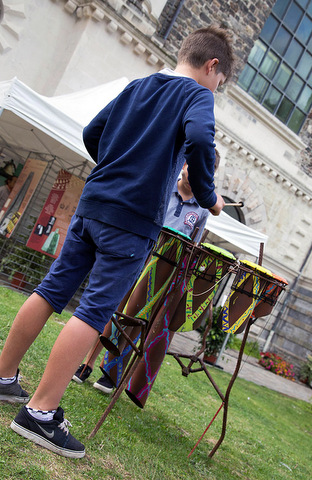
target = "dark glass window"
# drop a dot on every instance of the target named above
(305, 99)
(280, 7)
(282, 76)
(304, 65)
(304, 31)
(258, 88)
(303, 3)
(248, 77)
(296, 120)
(284, 110)
(278, 73)
(269, 29)
(281, 40)
(294, 52)
(293, 17)
(257, 53)
(294, 87)
(272, 99)
(269, 64)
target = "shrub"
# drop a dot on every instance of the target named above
(215, 336)
(277, 365)
(306, 371)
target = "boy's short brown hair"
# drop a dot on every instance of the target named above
(205, 44)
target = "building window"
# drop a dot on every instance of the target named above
(278, 73)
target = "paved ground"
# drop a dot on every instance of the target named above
(250, 370)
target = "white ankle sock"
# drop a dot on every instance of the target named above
(7, 380)
(43, 415)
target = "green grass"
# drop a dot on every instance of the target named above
(251, 348)
(268, 435)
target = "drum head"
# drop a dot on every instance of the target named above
(256, 267)
(218, 251)
(176, 232)
(280, 279)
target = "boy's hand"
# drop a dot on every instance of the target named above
(218, 206)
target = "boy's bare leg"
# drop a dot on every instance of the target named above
(28, 323)
(71, 346)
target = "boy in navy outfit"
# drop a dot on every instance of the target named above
(135, 141)
(183, 214)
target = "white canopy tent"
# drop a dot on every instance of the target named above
(82, 106)
(232, 235)
(30, 122)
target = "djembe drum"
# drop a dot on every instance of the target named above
(150, 288)
(212, 264)
(249, 283)
(269, 296)
(207, 267)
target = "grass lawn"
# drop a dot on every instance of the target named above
(269, 436)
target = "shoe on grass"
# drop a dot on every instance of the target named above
(53, 435)
(13, 392)
(82, 373)
(104, 384)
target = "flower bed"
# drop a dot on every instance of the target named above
(274, 363)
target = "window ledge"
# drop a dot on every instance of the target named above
(254, 108)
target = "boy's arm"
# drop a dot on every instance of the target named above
(218, 206)
(92, 133)
(199, 129)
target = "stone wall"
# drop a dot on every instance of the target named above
(293, 337)
(244, 19)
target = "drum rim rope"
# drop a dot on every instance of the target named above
(220, 257)
(247, 313)
(227, 258)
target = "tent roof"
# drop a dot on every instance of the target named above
(50, 125)
(232, 235)
(82, 106)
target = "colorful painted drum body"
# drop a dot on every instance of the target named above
(212, 264)
(197, 283)
(269, 296)
(151, 286)
(248, 285)
(157, 341)
(114, 366)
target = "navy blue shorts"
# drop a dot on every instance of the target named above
(114, 259)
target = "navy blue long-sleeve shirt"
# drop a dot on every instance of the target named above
(139, 142)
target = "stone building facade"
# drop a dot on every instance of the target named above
(62, 46)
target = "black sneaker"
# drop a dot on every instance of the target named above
(53, 435)
(104, 384)
(13, 392)
(82, 375)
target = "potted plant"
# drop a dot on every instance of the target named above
(215, 337)
(306, 371)
(23, 266)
